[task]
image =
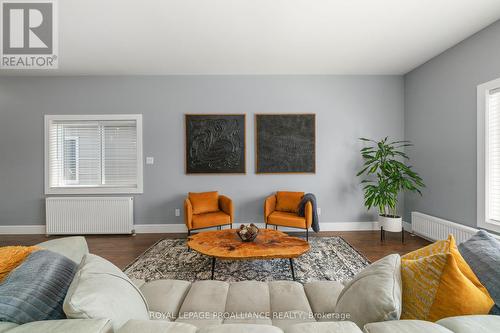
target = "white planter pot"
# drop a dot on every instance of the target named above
(392, 224)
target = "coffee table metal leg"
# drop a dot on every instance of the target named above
(291, 267)
(213, 267)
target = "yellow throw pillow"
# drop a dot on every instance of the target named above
(204, 202)
(421, 279)
(13, 256)
(441, 246)
(434, 288)
(438, 283)
(448, 246)
(288, 201)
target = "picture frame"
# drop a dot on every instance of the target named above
(285, 143)
(215, 143)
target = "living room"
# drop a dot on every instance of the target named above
(249, 166)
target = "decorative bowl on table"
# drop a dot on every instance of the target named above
(248, 233)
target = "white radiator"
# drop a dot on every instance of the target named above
(434, 228)
(89, 215)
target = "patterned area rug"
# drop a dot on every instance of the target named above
(330, 258)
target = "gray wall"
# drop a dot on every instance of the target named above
(347, 107)
(440, 119)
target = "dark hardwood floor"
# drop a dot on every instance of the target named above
(123, 249)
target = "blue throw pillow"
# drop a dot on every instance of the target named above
(36, 289)
(482, 253)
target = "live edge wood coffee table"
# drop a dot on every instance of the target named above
(269, 244)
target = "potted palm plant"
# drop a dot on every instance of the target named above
(385, 176)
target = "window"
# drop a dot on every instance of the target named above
(488, 155)
(93, 154)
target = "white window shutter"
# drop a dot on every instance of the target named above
(119, 156)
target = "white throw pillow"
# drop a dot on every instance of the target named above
(101, 290)
(374, 294)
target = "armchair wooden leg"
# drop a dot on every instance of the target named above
(307, 234)
(266, 225)
(189, 232)
(231, 226)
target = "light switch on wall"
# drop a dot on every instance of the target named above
(319, 211)
(150, 160)
(177, 212)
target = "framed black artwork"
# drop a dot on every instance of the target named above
(285, 143)
(215, 143)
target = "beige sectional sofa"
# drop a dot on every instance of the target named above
(247, 307)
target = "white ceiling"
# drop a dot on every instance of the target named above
(261, 36)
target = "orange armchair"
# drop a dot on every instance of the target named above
(281, 209)
(206, 210)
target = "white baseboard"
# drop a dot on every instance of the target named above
(181, 228)
(38, 229)
(325, 226)
(348, 226)
(159, 228)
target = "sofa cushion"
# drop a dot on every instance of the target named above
(288, 296)
(204, 202)
(151, 326)
(259, 319)
(435, 288)
(138, 282)
(248, 296)
(288, 201)
(374, 294)
(5, 326)
(72, 247)
(336, 327)
(287, 319)
(482, 253)
(405, 326)
(289, 304)
(241, 328)
(206, 296)
(286, 219)
(66, 326)
(165, 297)
(102, 290)
(35, 290)
(472, 324)
(322, 296)
(204, 303)
(200, 319)
(210, 219)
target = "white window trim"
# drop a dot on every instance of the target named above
(95, 190)
(482, 155)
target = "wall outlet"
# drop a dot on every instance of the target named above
(319, 211)
(177, 212)
(150, 160)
